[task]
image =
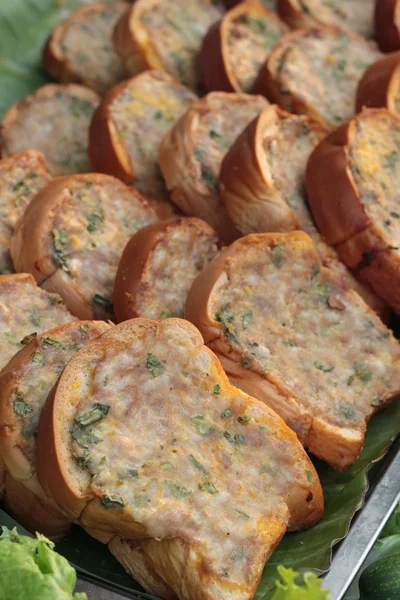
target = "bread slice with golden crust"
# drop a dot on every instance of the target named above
(54, 120)
(181, 459)
(166, 35)
(263, 193)
(380, 85)
(22, 176)
(72, 235)
(129, 124)
(80, 49)
(356, 15)
(315, 71)
(352, 181)
(286, 328)
(387, 24)
(191, 154)
(25, 383)
(158, 266)
(236, 46)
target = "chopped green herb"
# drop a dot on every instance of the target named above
(351, 379)
(323, 368)
(242, 514)
(225, 315)
(239, 555)
(105, 380)
(53, 342)
(154, 366)
(83, 437)
(101, 301)
(179, 491)
(166, 466)
(244, 419)
(21, 408)
(208, 177)
(95, 414)
(226, 414)
(288, 344)
(245, 361)
(277, 255)
(217, 389)
(377, 401)
(166, 278)
(197, 465)
(323, 291)
(165, 314)
(84, 328)
(199, 154)
(346, 410)
(314, 271)
(208, 487)
(37, 357)
(34, 317)
(362, 372)
(185, 373)
(247, 319)
(112, 501)
(310, 476)
(133, 473)
(95, 221)
(140, 500)
(61, 241)
(236, 439)
(82, 459)
(158, 115)
(201, 425)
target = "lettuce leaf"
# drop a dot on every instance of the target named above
(30, 568)
(307, 586)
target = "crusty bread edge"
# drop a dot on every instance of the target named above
(387, 30)
(379, 84)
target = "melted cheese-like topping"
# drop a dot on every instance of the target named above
(184, 456)
(250, 38)
(357, 15)
(374, 155)
(26, 309)
(20, 180)
(87, 46)
(141, 114)
(294, 325)
(177, 29)
(90, 227)
(179, 256)
(57, 125)
(323, 68)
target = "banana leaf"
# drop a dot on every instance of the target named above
(24, 27)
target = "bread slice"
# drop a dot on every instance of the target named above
(25, 383)
(80, 49)
(182, 459)
(127, 129)
(54, 120)
(158, 266)
(356, 15)
(236, 46)
(25, 309)
(361, 216)
(72, 235)
(191, 154)
(286, 328)
(22, 176)
(380, 85)
(263, 193)
(387, 24)
(316, 71)
(166, 36)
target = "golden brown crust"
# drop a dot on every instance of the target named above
(339, 446)
(133, 262)
(215, 67)
(295, 18)
(380, 83)
(386, 29)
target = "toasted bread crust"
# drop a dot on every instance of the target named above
(183, 171)
(339, 446)
(217, 70)
(11, 142)
(269, 81)
(169, 557)
(135, 264)
(58, 63)
(342, 217)
(387, 29)
(380, 83)
(32, 246)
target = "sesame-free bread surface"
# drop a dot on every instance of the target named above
(80, 49)
(159, 265)
(128, 127)
(181, 459)
(352, 181)
(22, 176)
(262, 185)
(286, 328)
(191, 154)
(166, 35)
(380, 85)
(72, 235)
(236, 46)
(387, 24)
(315, 71)
(355, 15)
(54, 120)
(25, 383)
